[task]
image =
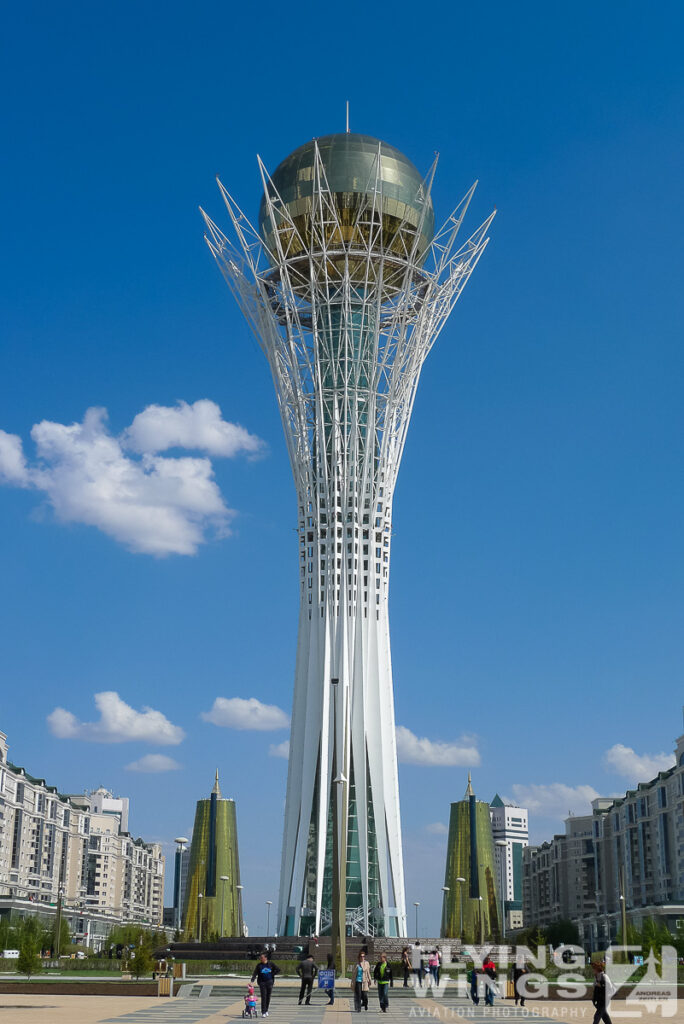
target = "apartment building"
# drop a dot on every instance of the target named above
(629, 849)
(74, 848)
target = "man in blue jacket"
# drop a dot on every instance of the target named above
(265, 972)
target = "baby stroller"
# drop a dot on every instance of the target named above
(250, 1009)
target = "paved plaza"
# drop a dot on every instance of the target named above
(212, 1003)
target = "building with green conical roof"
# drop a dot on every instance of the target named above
(212, 905)
(471, 892)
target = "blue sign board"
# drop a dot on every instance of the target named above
(326, 979)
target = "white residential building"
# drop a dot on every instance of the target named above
(509, 826)
(104, 802)
(52, 844)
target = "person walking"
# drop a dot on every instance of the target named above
(603, 990)
(489, 970)
(406, 964)
(519, 971)
(474, 986)
(264, 973)
(383, 976)
(417, 962)
(433, 965)
(331, 967)
(307, 971)
(362, 981)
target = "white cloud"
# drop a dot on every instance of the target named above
(555, 799)
(118, 723)
(280, 749)
(151, 504)
(12, 462)
(198, 426)
(636, 767)
(437, 828)
(153, 763)
(250, 713)
(412, 749)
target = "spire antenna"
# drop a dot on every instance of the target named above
(347, 117)
(217, 788)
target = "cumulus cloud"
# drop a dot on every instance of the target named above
(555, 799)
(280, 749)
(199, 426)
(151, 504)
(12, 462)
(153, 763)
(412, 749)
(437, 828)
(246, 713)
(625, 761)
(119, 723)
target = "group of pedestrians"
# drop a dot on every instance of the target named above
(362, 981)
(421, 963)
(482, 981)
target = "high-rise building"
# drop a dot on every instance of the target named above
(471, 907)
(75, 848)
(346, 286)
(560, 876)
(181, 861)
(510, 833)
(212, 904)
(626, 856)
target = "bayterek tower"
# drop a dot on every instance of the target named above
(346, 286)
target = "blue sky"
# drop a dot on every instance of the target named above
(537, 616)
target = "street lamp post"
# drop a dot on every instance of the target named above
(623, 905)
(181, 843)
(241, 927)
(446, 890)
(503, 845)
(200, 897)
(269, 904)
(58, 922)
(479, 899)
(416, 904)
(598, 895)
(460, 889)
(340, 811)
(224, 879)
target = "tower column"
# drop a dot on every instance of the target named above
(346, 286)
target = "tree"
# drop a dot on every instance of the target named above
(143, 962)
(29, 962)
(654, 935)
(64, 936)
(563, 932)
(532, 937)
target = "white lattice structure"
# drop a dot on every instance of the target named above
(346, 290)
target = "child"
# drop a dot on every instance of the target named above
(250, 1002)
